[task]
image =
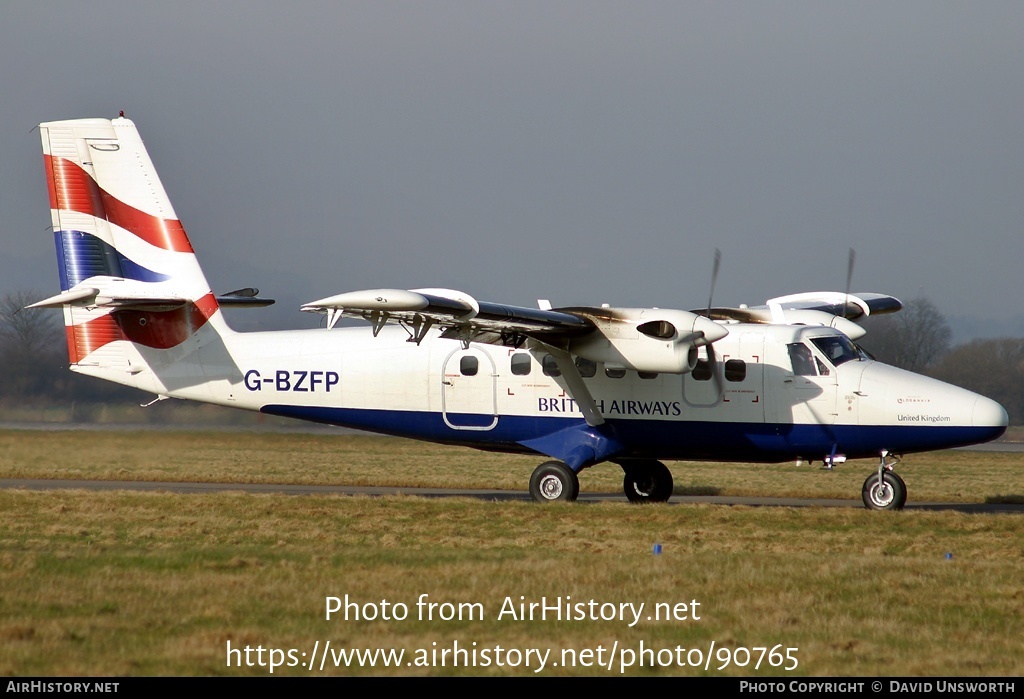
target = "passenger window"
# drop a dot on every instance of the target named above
(521, 364)
(647, 374)
(613, 373)
(550, 366)
(800, 356)
(469, 365)
(587, 367)
(701, 372)
(735, 370)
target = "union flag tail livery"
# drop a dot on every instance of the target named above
(583, 385)
(129, 277)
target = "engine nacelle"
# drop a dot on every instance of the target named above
(809, 317)
(646, 339)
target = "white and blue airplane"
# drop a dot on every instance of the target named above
(581, 386)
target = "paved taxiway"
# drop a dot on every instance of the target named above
(494, 495)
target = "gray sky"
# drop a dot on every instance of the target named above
(584, 152)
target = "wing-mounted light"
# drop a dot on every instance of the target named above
(646, 339)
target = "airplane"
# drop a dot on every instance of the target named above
(580, 386)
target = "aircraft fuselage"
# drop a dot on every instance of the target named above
(752, 402)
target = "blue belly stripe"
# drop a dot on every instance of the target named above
(657, 439)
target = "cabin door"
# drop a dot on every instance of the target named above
(469, 390)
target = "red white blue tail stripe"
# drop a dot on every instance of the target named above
(114, 224)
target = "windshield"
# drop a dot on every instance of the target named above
(838, 349)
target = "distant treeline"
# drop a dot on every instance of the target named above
(34, 361)
(34, 358)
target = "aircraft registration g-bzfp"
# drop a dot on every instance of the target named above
(581, 385)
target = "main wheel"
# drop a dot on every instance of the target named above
(891, 494)
(648, 481)
(553, 481)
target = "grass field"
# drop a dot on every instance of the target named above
(124, 583)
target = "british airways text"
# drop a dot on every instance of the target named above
(297, 381)
(615, 407)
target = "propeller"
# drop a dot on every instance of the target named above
(849, 280)
(714, 278)
(716, 374)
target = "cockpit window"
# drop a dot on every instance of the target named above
(802, 359)
(838, 349)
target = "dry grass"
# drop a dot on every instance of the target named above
(96, 583)
(244, 457)
(157, 584)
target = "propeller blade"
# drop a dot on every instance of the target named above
(849, 281)
(714, 278)
(716, 371)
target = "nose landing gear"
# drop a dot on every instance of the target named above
(884, 490)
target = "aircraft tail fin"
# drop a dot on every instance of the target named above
(130, 281)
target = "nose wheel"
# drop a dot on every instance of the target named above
(884, 489)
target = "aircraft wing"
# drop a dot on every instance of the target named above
(852, 306)
(643, 339)
(831, 308)
(459, 315)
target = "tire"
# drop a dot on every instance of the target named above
(648, 481)
(553, 481)
(902, 490)
(891, 495)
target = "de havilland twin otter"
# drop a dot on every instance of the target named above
(581, 385)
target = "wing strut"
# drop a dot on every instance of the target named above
(418, 328)
(379, 319)
(577, 388)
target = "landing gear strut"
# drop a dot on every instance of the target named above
(647, 481)
(553, 481)
(884, 490)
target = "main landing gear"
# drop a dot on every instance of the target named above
(884, 490)
(644, 481)
(647, 481)
(553, 481)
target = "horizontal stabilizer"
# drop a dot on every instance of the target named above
(244, 298)
(74, 296)
(123, 296)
